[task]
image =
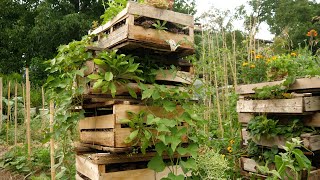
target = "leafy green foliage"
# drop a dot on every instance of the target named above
(293, 159)
(114, 70)
(274, 92)
(262, 126)
(210, 165)
(160, 26)
(112, 8)
(16, 159)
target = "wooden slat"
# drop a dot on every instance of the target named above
(180, 76)
(161, 14)
(105, 138)
(98, 122)
(314, 175)
(145, 174)
(157, 37)
(271, 106)
(300, 84)
(121, 111)
(249, 164)
(312, 103)
(115, 37)
(245, 117)
(78, 177)
(120, 136)
(106, 158)
(89, 169)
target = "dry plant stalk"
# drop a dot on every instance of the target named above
(15, 113)
(53, 171)
(28, 113)
(8, 113)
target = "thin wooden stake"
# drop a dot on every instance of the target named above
(28, 112)
(24, 104)
(9, 112)
(1, 109)
(15, 113)
(53, 171)
(43, 101)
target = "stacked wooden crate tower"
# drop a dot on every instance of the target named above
(101, 133)
(304, 105)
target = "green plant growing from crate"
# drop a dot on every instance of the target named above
(161, 26)
(165, 134)
(115, 70)
(64, 70)
(290, 163)
(262, 126)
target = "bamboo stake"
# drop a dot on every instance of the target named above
(28, 112)
(24, 104)
(1, 110)
(43, 101)
(53, 173)
(15, 113)
(9, 112)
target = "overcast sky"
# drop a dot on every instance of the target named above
(204, 5)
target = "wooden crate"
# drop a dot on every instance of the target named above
(298, 105)
(311, 120)
(300, 85)
(107, 130)
(249, 169)
(117, 167)
(122, 32)
(310, 141)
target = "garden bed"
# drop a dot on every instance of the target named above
(132, 30)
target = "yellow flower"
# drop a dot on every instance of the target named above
(223, 156)
(231, 141)
(274, 57)
(259, 56)
(245, 64)
(293, 54)
(229, 149)
(252, 66)
(252, 52)
(287, 95)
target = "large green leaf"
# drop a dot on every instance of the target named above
(189, 164)
(169, 106)
(108, 76)
(147, 93)
(134, 134)
(303, 161)
(157, 164)
(94, 76)
(113, 89)
(98, 84)
(160, 148)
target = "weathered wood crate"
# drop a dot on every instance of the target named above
(132, 30)
(311, 120)
(118, 167)
(310, 141)
(298, 105)
(250, 169)
(301, 85)
(108, 130)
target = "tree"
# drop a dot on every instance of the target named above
(293, 17)
(31, 30)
